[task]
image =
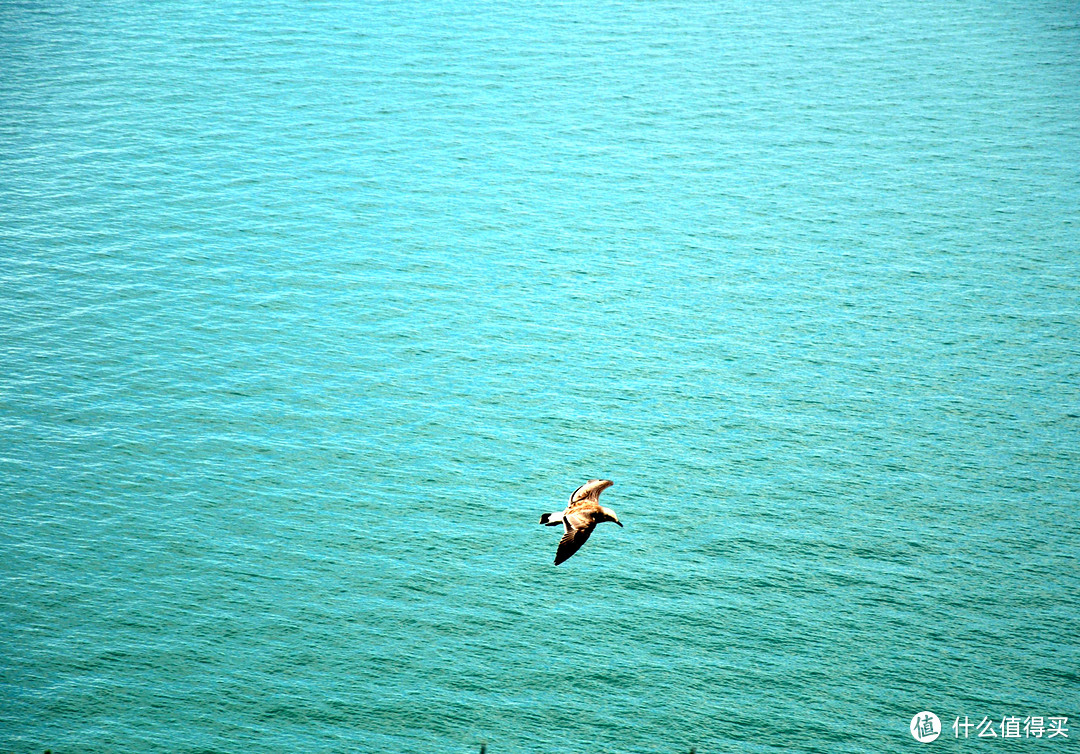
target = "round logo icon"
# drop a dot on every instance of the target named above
(925, 727)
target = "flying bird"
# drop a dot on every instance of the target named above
(580, 517)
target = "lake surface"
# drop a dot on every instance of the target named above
(309, 310)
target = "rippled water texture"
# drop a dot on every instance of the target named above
(309, 310)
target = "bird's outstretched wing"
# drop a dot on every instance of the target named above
(589, 492)
(571, 542)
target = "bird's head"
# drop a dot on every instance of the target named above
(609, 515)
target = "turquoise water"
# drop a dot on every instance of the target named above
(309, 310)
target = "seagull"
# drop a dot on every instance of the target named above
(580, 517)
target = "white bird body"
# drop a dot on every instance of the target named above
(580, 517)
